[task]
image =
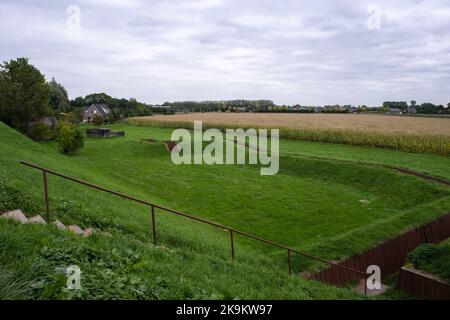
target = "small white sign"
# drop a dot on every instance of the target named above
(73, 278)
(373, 282)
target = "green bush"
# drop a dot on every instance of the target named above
(40, 131)
(424, 253)
(433, 258)
(98, 120)
(70, 139)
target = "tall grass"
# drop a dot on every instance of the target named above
(11, 288)
(405, 142)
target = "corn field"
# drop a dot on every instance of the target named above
(412, 134)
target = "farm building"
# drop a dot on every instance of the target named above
(95, 109)
(394, 111)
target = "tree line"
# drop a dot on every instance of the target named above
(42, 110)
(413, 107)
(120, 108)
(26, 97)
(225, 105)
(269, 106)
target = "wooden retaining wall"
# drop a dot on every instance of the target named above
(422, 285)
(103, 133)
(390, 256)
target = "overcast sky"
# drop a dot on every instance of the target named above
(308, 52)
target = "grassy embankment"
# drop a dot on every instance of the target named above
(192, 261)
(331, 209)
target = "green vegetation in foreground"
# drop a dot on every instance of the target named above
(331, 209)
(119, 262)
(34, 259)
(432, 258)
(439, 145)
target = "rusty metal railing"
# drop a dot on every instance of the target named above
(153, 206)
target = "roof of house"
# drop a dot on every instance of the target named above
(101, 107)
(395, 110)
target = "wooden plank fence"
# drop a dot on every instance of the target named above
(422, 285)
(390, 256)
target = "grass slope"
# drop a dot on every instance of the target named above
(313, 201)
(312, 204)
(431, 164)
(193, 263)
(434, 165)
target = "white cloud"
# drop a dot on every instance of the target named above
(114, 3)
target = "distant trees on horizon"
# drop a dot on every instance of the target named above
(413, 107)
(26, 96)
(224, 105)
(270, 106)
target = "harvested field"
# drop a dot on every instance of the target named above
(413, 134)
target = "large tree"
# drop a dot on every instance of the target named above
(24, 94)
(59, 99)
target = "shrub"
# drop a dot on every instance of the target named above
(424, 253)
(433, 258)
(98, 120)
(40, 131)
(73, 117)
(70, 139)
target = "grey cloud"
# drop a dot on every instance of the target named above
(309, 52)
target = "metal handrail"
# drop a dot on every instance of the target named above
(231, 230)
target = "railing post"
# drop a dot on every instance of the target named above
(289, 261)
(153, 225)
(232, 244)
(47, 202)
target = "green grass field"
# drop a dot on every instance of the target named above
(330, 208)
